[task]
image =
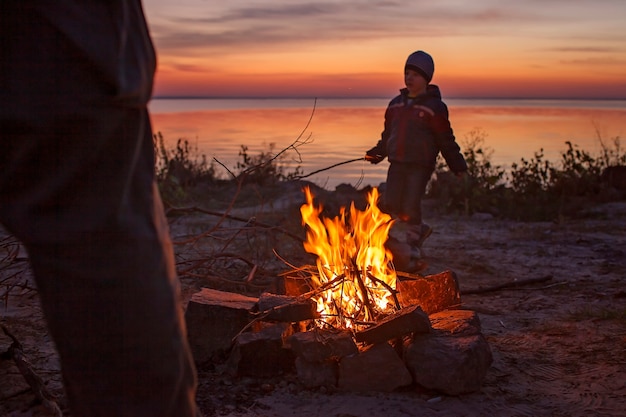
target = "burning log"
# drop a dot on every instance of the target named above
(351, 247)
(406, 321)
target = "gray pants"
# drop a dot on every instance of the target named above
(77, 187)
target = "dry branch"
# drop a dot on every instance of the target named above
(34, 381)
(251, 221)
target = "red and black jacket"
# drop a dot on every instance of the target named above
(417, 129)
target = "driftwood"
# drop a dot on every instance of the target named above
(35, 382)
(507, 285)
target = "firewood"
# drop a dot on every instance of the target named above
(408, 320)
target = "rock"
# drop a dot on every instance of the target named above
(319, 345)
(261, 353)
(454, 358)
(213, 319)
(317, 374)
(377, 368)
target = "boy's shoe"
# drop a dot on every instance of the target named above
(416, 235)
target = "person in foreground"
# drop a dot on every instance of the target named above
(77, 188)
(416, 130)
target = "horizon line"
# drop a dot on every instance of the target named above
(235, 97)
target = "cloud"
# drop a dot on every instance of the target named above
(586, 49)
(280, 25)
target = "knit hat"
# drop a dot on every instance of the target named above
(422, 63)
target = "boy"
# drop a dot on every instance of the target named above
(416, 130)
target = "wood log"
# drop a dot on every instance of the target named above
(283, 308)
(432, 293)
(401, 323)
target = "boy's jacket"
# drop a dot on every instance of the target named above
(417, 129)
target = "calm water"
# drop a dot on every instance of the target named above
(335, 130)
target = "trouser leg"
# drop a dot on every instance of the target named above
(406, 185)
(76, 186)
(111, 306)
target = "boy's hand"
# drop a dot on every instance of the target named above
(374, 159)
(373, 156)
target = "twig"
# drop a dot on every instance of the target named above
(294, 145)
(366, 294)
(324, 287)
(393, 292)
(251, 274)
(34, 381)
(506, 285)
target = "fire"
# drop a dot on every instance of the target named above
(356, 275)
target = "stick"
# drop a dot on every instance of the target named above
(394, 293)
(34, 381)
(512, 284)
(327, 168)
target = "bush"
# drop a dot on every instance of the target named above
(264, 168)
(478, 191)
(534, 189)
(180, 168)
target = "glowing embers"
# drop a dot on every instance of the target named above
(356, 281)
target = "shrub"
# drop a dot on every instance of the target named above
(478, 189)
(180, 168)
(266, 167)
(534, 189)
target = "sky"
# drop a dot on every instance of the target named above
(357, 48)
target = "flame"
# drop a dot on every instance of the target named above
(355, 269)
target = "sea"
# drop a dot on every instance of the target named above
(320, 135)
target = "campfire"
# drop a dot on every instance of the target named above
(350, 322)
(356, 279)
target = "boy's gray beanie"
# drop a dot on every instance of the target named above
(421, 62)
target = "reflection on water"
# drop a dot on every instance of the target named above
(339, 130)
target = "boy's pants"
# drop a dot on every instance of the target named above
(406, 185)
(77, 188)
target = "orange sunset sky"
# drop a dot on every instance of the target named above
(357, 48)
